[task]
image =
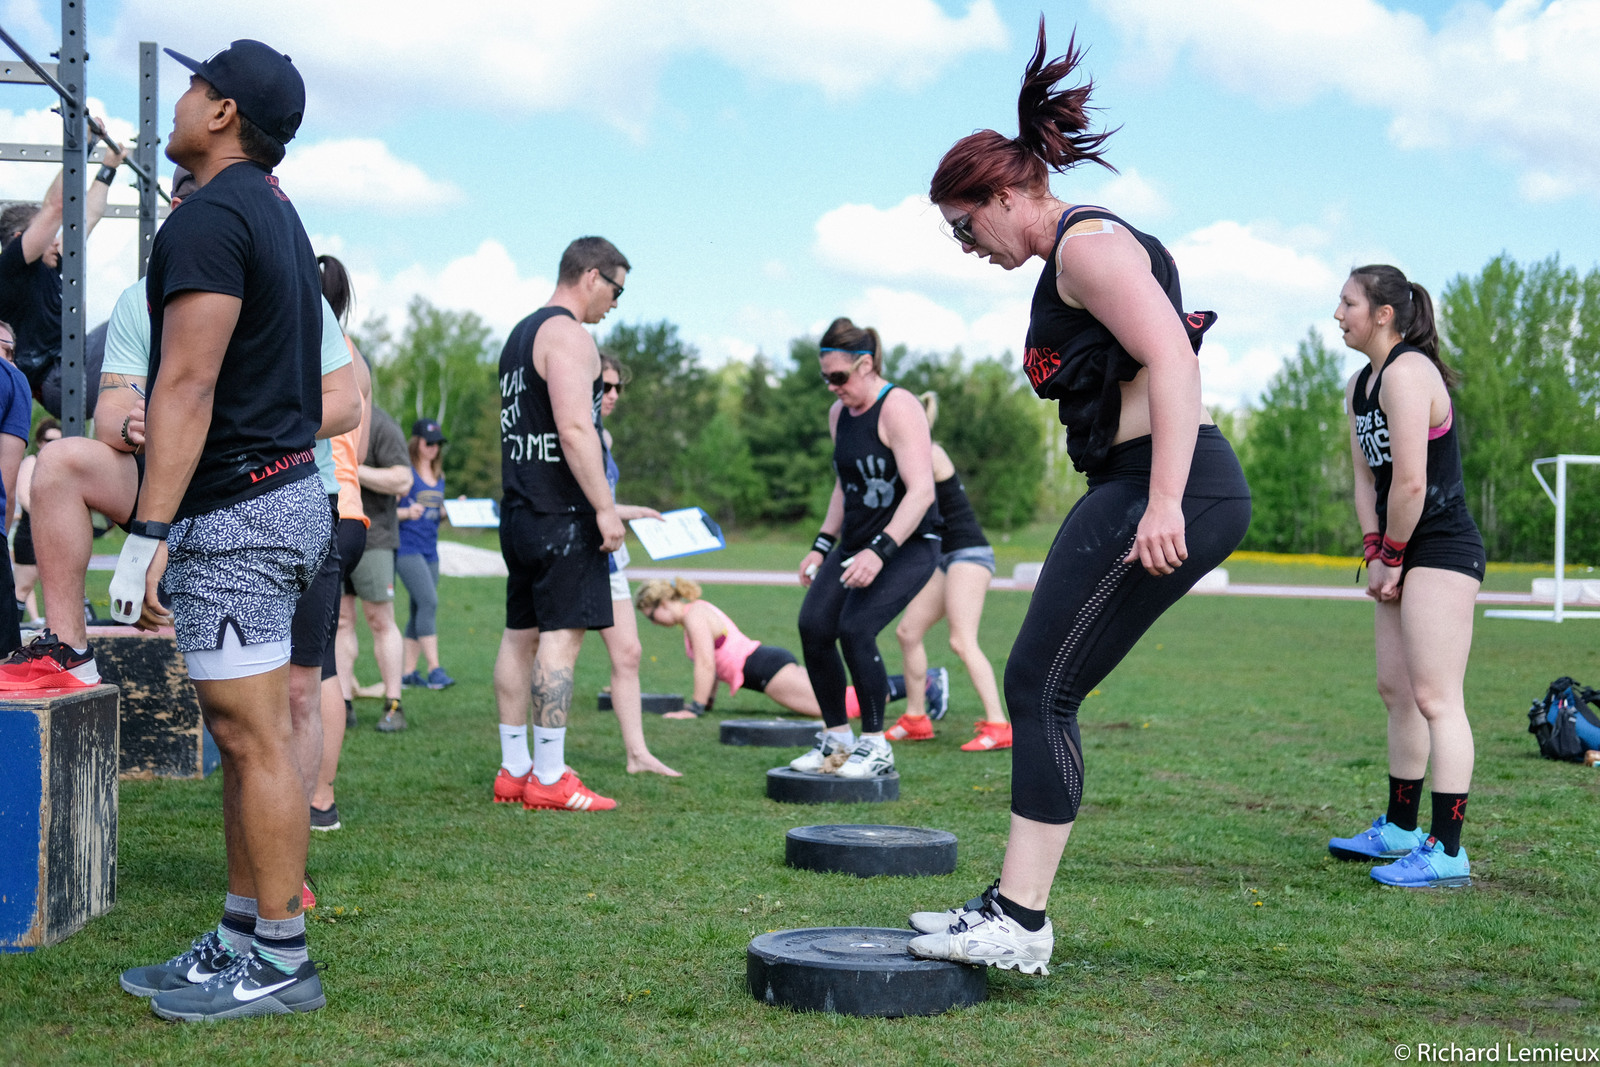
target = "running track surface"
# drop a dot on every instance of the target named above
(721, 577)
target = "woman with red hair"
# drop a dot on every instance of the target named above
(1109, 342)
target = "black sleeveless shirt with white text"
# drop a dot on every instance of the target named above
(869, 478)
(1444, 506)
(1072, 357)
(533, 471)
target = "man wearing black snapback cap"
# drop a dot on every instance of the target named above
(231, 511)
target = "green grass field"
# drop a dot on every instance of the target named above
(1199, 918)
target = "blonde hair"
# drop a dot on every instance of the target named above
(657, 591)
(930, 406)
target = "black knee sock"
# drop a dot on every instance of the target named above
(1029, 919)
(1405, 801)
(1449, 812)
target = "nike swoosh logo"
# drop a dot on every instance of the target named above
(247, 995)
(197, 974)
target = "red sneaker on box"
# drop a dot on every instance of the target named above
(47, 662)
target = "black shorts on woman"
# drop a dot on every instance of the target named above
(1090, 606)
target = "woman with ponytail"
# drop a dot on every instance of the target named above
(1109, 342)
(1420, 541)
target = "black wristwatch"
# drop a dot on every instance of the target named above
(156, 531)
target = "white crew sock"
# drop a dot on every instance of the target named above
(844, 736)
(514, 750)
(549, 753)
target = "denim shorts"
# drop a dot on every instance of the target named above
(982, 555)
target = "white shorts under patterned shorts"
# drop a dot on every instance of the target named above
(243, 567)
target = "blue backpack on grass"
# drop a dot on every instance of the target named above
(1563, 721)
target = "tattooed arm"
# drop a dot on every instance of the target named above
(120, 409)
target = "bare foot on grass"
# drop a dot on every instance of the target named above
(647, 762)
(685, 714)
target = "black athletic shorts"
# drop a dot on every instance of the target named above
(316, 613)
(22, 543)
(558, 577)
(1461, 552)
(763, 665)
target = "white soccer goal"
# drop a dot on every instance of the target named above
(1558, 497)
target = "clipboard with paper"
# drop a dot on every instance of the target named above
(684, 532)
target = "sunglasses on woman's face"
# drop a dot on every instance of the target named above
(961, 230)
(839, 378)
(611, 387)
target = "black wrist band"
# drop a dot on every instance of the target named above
(106, 174)
(694, 707)
(824, 543)
(885, 546)
(125, 438)
(156, 531)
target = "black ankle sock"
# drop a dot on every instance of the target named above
(1029, 919)
(1405, 801)
(349, 706)
(1449, 811)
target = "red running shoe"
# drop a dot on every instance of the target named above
(508, 787)
(568, 794)
(911, 728)
(47, 662)
(991, 735)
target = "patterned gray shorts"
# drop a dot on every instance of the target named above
(246, 565)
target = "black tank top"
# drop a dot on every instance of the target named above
(870, 479)
(1444, 502)
(533, 471)
(960, 527)
(1074, 359)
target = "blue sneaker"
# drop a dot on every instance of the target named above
(437, 679)
(1384, 841)
(938, 692)
(414, 680)
(249, 987)
(1427, 867)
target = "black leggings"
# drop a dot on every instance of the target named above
(1090, 608)
(834, 616)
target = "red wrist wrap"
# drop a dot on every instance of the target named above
(1392, 553)
(1369, 546)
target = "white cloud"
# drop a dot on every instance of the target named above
(602, 56)
(923, 324)
(487, 282)
(1520, 80)
(360, 172)
(1128, 194)
(907, 243)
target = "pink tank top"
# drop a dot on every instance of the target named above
(732, 649)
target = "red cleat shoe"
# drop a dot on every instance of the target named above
(991, 735)
(567, 794)
(911, 728)
(508, 787)
(48, 663)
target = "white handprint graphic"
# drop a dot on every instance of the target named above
(879, 493)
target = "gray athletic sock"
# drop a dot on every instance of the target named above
(238, 923)
(282, 942)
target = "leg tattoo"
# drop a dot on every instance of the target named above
(552, 697)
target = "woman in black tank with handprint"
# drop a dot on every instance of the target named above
(876, 549)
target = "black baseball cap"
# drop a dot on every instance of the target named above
(258, 78)
(429, 431)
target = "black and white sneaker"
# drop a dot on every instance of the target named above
(937, 692)
(325, 818)
(207, 957)
(250, 987)
(931, 922)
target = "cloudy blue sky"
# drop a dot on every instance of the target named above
(763, 162)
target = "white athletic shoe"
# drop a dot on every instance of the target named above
(872, 758)
(990, 937)
(812, 762)
(937, 922)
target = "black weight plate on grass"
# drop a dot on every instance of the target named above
(869, 850)
(857, 970)
(802, 787)
(660, 703)
(770, 733)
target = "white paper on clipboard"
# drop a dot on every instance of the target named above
(472, 512)
(678, 533)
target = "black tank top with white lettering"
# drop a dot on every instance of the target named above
(870, 479)
(1444, 503)
(533, 471)
(1073, 358)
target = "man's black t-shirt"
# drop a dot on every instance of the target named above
(30, 300)
(239, 236)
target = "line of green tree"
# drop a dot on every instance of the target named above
(749, 442)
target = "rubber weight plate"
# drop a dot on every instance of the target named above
(801, 787)
(659, 703)
(869, 850)
(770, 733)
(857, 970)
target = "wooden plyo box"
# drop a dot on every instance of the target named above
(162, 733)
(58, 813)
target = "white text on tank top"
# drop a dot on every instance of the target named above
(1372, 430)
